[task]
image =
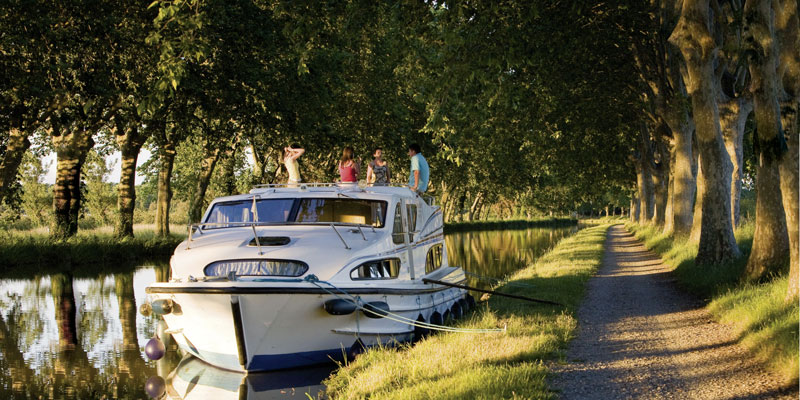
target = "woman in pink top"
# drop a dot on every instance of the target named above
(348, 168)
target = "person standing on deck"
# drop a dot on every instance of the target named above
(348, 167)
(378, 170)
(290, 156)
(419, 172)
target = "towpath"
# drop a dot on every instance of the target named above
(639, 337)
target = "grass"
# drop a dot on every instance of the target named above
(87, 253)
(487, 366)
(764, 323)
(508, 224)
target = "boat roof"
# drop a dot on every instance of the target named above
(324, 190)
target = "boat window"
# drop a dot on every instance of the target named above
(434, 259)
(269, 210)
(256, 268)
(397, 229)
(377, 269)
(349, 211)
(412, 220)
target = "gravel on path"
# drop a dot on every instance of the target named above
(640, 337)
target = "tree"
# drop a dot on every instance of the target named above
(788, 35)
(770, 239)
(693, 35)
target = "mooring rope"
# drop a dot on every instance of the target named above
(356, 301)
(499, 282)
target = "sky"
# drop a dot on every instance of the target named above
(114, 158)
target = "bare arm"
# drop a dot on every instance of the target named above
(296, 153)
(416, 179)
(369, 173)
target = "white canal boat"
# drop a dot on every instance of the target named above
(285, 277)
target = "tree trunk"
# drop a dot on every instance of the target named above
(475, 204)
(693, 36)
(661, 180)
(635, 209)
(644, 176)
(130, 141)
(229, 167)
(788, 32)
(770, 239)
(669, 213)
(16, 147)
(197, 202)
(71, 151)
(460, 207)
(683, 180)
(166, 161)
(732, 118)
(694, 235)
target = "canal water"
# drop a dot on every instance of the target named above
(79, 337)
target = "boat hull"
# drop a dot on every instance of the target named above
(264, 328)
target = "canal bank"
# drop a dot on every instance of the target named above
(492, 365)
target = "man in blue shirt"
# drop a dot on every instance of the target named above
(419, 173)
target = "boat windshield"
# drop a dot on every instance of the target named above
(271, 210)
(304, 210)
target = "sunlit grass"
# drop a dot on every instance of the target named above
(764, 323)
(487, 366)
(22, 250)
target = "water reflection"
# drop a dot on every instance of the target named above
(63, 336)
(497, 254)
(194, 379)
(67, 337)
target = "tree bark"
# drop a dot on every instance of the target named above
(166, 161)
(788, 32)
(693, 36)
(71, 150)
(475, 204)
(669, 213)
(130, 140)
(770, 239)
(661, 176)
(197, 202)
(683, 180)
(16, 147)
(644, 179)
(697, 218)
(733, 117)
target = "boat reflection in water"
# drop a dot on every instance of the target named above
(194, 379)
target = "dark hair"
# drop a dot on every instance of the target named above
(415, 147)
(295, 146)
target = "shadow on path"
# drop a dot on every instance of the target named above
(639, 336)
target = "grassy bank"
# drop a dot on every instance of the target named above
(764, 323)
(497, 365)
(548, 222)
(88, 252)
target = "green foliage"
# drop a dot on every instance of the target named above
(37, 197)
(489, 366)
(100, 196)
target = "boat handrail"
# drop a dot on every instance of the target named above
(363, 186)
(253, 224)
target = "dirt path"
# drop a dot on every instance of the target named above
(640, 337)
